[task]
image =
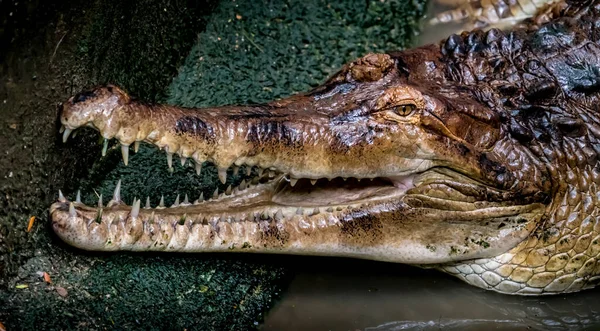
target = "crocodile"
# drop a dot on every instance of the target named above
(477, 156)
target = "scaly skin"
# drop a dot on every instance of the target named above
(477, 157)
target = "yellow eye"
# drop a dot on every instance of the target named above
(405, 110)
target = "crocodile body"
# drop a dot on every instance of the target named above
(476, 156)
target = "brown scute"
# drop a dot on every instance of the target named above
(371, 67)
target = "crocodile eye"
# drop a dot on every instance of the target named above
(405, 110)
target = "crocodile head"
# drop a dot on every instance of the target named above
(384, 161)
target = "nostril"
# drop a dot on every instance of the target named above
(83, 96)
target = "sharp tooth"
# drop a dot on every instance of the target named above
(161, 204)
(62, 129)
(293, 181)
(66, 134)
(216, 194)
(99, 216)
(117, 194)
(243, 184)
(78, 197)
(248, 170)
(264, 215)
(236, 170)
(279, 215)
(183, 160)
(72, 212)
(100, 201)
(176, 204)
(135, 208)
(345, 178)
(136, 146)
(260, 171)
(272, 173)
(125, 152)
(223, 175)
(104, 147)
(147, 203)
(198, 168)
(330, 210)
(300, 211)
(61, 197)
(228, 191)
(313, 181)
(75, 134)
(185, 200)
(170, 160)
(201, 197)
(315, 211)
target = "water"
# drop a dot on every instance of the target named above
(345, 294)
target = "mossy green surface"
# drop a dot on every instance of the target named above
(251, 51)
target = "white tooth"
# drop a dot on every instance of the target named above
(198, 168)
(223, 175)
(216, 194)
(135, 208)
(62, 129)
(279, 215)
(313, 181)
(243, 184)
(72, 212)
(78, 197)
(136, 146)
(75, 134)
(345, 178)
(170, 160)
(236, 170)
(104, 147)
(125, 152)
(330, 210)
(293, 181)
(248, 170)
(185, 200)
(176, 204)
(300, 211)
(61, 197)
(228, 191)
(161, 204)
(183, 160)
(315, 211)
(66, 134)
(272, 173)
(201, 199)
(117, 194)
(100, 201)
(147, 203)
(260, 171)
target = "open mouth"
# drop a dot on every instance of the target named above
(269, 194)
